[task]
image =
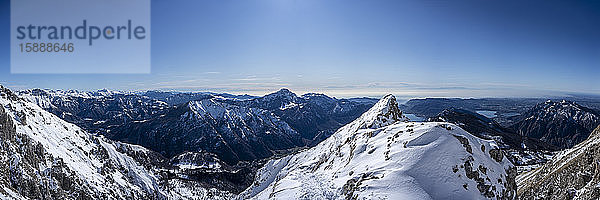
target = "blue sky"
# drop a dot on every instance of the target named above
(349, 48)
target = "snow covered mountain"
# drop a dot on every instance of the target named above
(177, 98)
(571, 174)
(381, 155)
(232, 132)
(235, 127)
(563, 124)
(314, 116)
(44, 157)
(103, 110)
(99, 111)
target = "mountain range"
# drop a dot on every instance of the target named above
(51, 158)
(45, 157)
(235, 127)
(560, 123)
(173, 145)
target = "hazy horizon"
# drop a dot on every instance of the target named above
(300, 93)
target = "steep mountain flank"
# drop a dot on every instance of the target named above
(572, 174)
(44, 157)
(563, 124)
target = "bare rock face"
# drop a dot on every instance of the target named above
(572, 174)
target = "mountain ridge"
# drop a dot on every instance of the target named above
(46, 157)
(121, 115)
(563, 124)
(379, 155)
(571, 174)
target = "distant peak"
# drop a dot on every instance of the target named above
(383, 113)
(283, 92)
(317, 96)
(562, 104)
(105, 92)
(314, 95)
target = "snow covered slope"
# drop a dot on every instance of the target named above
(560, 123)
(571, 174)
(44, 157)
(381, 156)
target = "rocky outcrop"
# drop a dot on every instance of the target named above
(572, 174)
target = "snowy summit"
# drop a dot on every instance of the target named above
(382, 155)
